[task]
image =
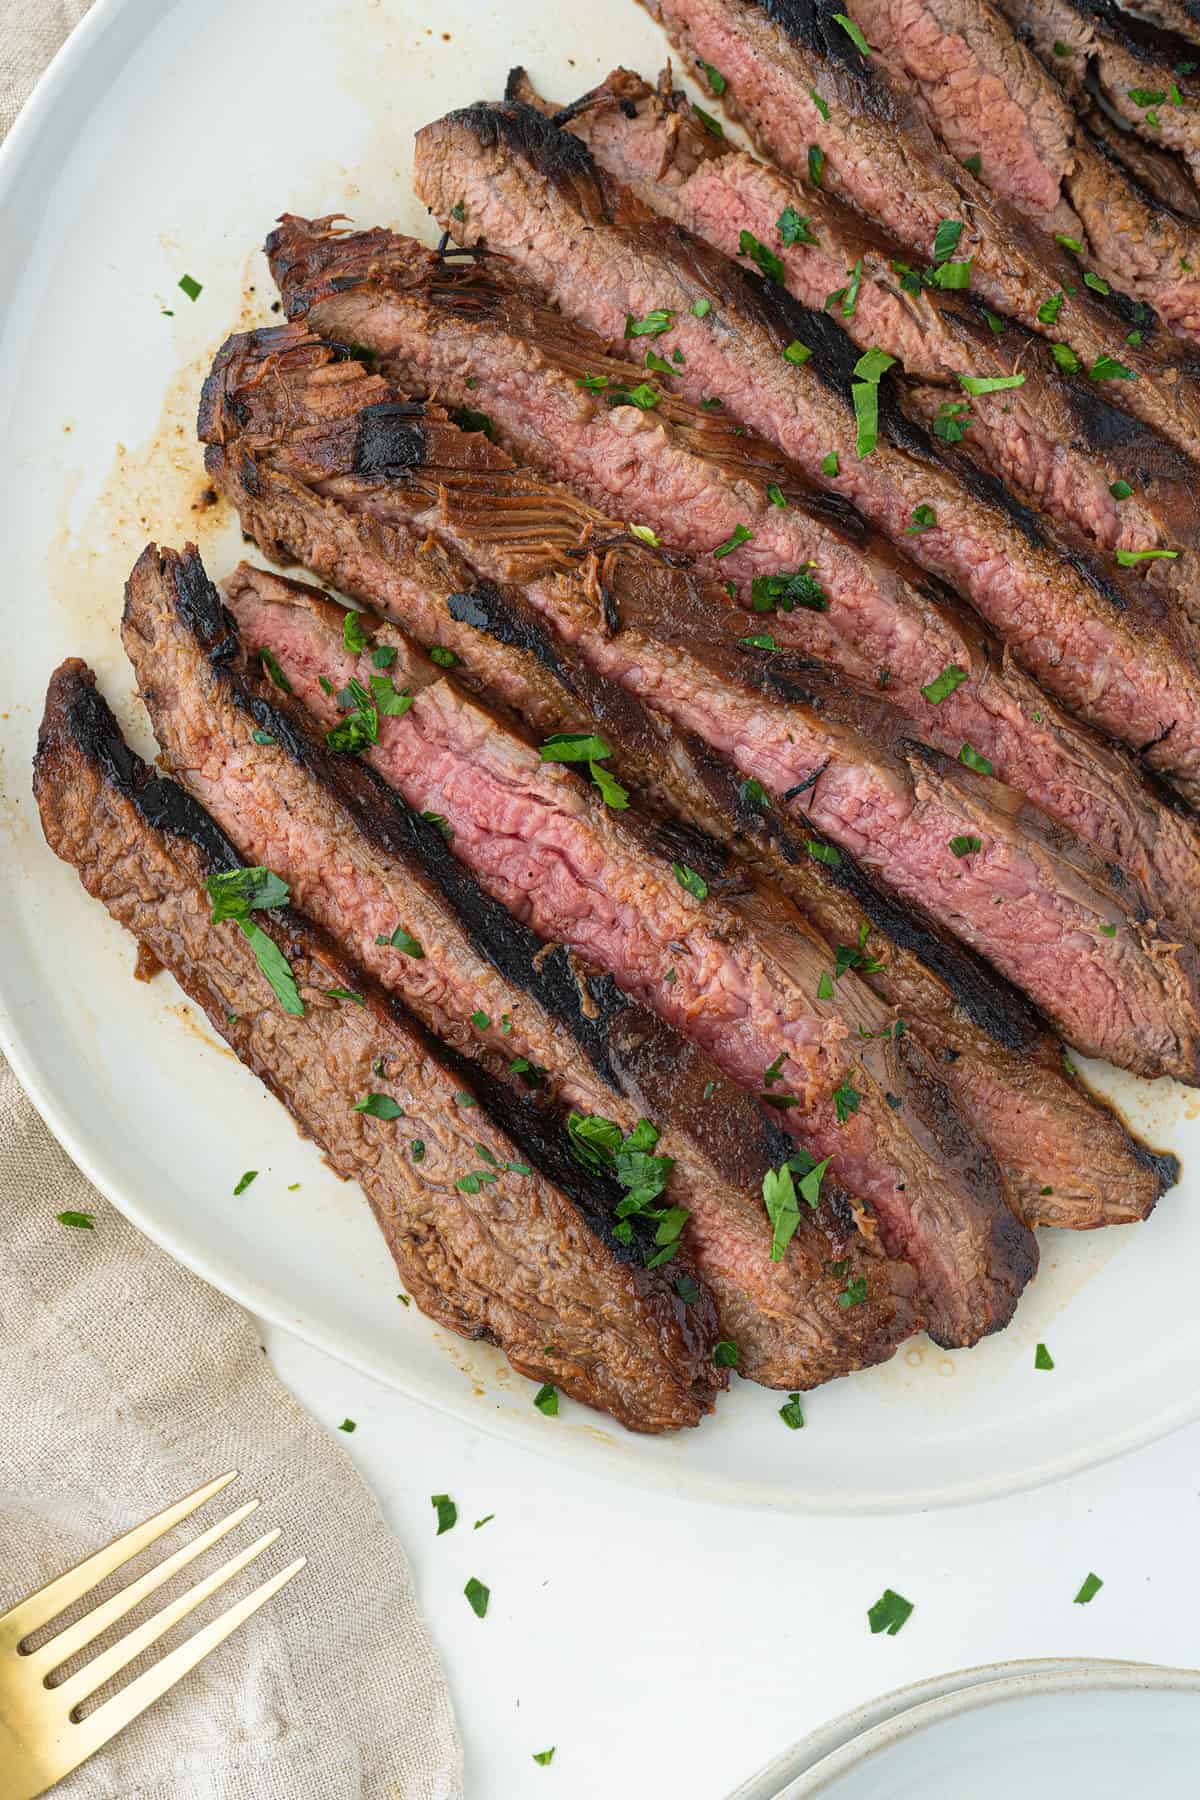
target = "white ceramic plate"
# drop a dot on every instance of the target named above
(164, 142)
(1104, 1730)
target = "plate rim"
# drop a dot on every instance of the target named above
(583, 1450)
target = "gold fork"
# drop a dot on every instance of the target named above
(42, 1737)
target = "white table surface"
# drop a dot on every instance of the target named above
(668, 1648)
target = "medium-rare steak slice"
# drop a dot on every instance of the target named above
(1160, 177)
(982, 90)
(738, 972)
(1142, 72)
(795, 78)
(1065, 1161)
(385, 883)
(1111, 651)
(1054, 440)
(837, 762)
(479, 341)
(495, 1229)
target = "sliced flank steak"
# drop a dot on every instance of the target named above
(1055, 440)
(983, 90)
(739, 972)
(384, 881)
(1160, 177)
(1065, 1161)
(795, 77)
(1111, 649)
(478, 1205)
(1142, 72)
(842, 763)
(477, 339)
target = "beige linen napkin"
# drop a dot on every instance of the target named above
(125, 1382)
(30, 32)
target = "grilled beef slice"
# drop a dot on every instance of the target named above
(357, 859)
(882, 157)
(837, 762)
(736, 971)
(1065, 1160)
(1112, 650)
(983, 91)
(1121, 60)
(527, 1259)
(477, 340)
(1054, 440)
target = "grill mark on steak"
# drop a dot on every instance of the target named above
(608, 1331)
(883, 159)
(694, 481)
(325, 823)
(734, 971)
(974, 1023)
(1059, 618)
(1059, 442)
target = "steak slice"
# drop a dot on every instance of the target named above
(475, 1256)
(356, 857)
(478, 340)
(839, 763)
(1054, 440)
(1065, 1161)
(882, 157)
(1122, 60)
(1160, 177)
(1112, 651)
(979, 86)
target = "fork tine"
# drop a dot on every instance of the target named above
(118, 1656)
(74, 1638)
(39, 1608)
(118, 1712)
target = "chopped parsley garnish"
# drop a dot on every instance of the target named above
(1087, 1593)
(477, 1597)
(571, 747)
(783, 593)
(973, 163)
(772, 1073)
(1097, 283)
(1049, 310)
(751, 792)
(873, 364)
(1147, 96)
(1065, 358)
(945, 240)
(245, 1181)
(741, 534)
(854, 1293)
(1042, 1358)
(853, 33)
(644, 533)
(658, 364)
(923, 519)
(480, 1523)
(237, 893)
(1068, 243)
(379, 1106)
(796, 352)
(701, 308)
(824, 853)
(81, 1221)
(690, 882)
(440, 823)
(270, 664)
(547, 1756)
(599, 1145)
(711, 125)
(829, 463)
(816, 164)
(262, 737)
(865, 395)
(890, 1612)
(347, 1425)
(775, 495)
(531, 1073)
(643, 396)
(849, 294)
(825, 986)
(716, 81)
(1127, 558)
(390, 703)
(403, 940)
(791, 1413)
(846, 1101)
(794, 228)
(854, 956)
(594, 384)
(951, 421)
(447, 1512)
(944, 684)
(191, 288)
(1061, 49)
(1107, 368)
(341, 993)
(417, 1149)
(966, 846)
(360, 726)
(458, 211)
(467, 419)
(991, 384)
(1120, 490)
(973, 760)
(653, 325)
(546, 1401)
(687, 1290)
(354, 638)
(952, 276)
(768, 262)
(611, 791)
(817, 101)
(725, 1354)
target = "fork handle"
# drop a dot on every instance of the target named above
(23, 1773)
